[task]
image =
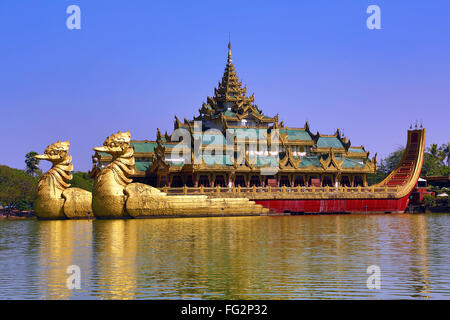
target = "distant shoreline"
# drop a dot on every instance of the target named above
(17, 215)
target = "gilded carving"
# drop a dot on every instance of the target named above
(114, 196)
(54, 197)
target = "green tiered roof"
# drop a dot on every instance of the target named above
(327, 142)
(227, 110)
(143, 146)
(296, 135)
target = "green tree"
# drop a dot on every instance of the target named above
(17, 188)
(442, 201)
(390, 163)
(434, 161)
(32, 164)
(386, 166)
(445, 149)
(428, 201)
(82, 180)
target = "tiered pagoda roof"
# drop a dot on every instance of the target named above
(230, 101)
(231, 108)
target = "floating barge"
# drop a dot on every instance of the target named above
(389, 196)
(115, 196)
(268, 168)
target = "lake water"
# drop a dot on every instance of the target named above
(289, 257)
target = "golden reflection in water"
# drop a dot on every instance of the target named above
(287, 256)
(61, 244)
(422, 277)
(115, 255)
(240, 257)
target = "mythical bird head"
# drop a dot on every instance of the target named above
(56, 152)
(116, 144)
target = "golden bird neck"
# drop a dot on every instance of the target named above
(60, 174)
(122, 167)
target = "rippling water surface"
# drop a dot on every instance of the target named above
(291, 257)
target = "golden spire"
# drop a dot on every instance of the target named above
(229, 52)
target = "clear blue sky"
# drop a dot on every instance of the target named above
(135, 64)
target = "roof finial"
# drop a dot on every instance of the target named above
(229, 48)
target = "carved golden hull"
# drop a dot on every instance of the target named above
(74, 203)
(108, 206)
(49, 208)
(143, 201)
(78, 204)
(114, 196)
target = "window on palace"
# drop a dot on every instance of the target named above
(345, 181)
(310, 180)
(255, 181)
(358, 181)
(284, 181)
(189, 181)
(177, 182)
(327, 181)
(239, 181)
(219, 181)
(203, 181)
(299, 181)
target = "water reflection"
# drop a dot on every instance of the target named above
(235, 258)
(115, 255)
(62, 244)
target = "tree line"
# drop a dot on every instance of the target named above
(18, 187)
(436, 162)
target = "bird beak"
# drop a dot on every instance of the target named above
(42, 157)
(101, 149)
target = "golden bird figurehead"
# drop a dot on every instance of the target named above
(56, 152)
(116, 144)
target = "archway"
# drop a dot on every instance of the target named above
(189, 181)
(284, 181)
(255, 181)
(299, 181)
(203, 180)
(219, 181)
(327, 181)
(239, 181)
(177, 182)
(358, 181)
(345, 181)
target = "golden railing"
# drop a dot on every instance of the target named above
(299, 190)
(381, 190)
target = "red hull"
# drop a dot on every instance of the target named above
(404, 177)
(337, 205)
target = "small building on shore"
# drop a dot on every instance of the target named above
(438, 181)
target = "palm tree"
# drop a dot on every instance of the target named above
(32, 164)
(437, 153)
(433, 150)
(445, 149)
